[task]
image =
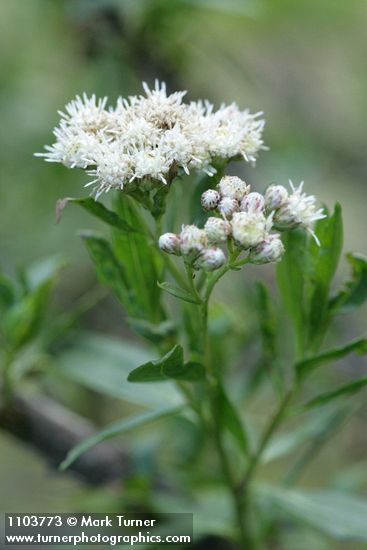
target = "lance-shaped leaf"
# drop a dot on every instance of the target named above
(230, 419)
(306, 366)
(354, 293)
(153, 371)
(109, 271)
(97, 209)
(324, 261)
(117, 428)
(346, 389)
(339, 515)
(190, 372)
(291, 274)
(178, 292)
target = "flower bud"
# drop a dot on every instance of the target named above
(249, 228)
(217, 230)
(210, 260)
(170, 243)
(193, 240)
(233, 187)
(227, 207)
(271, 249)
(253, 202)
(275, 197)
(210, 199)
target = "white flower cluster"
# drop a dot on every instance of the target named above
(248, 219)
(143, 137)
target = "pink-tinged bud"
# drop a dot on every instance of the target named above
(227, 207)
(249, 228)
(275, 197)
(269, 250)
(233, 187)
(210, 199)
(210, 260)
(253, 202)
(217, 230)
(170, 243)
(193, 240)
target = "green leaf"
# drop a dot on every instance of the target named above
(339, 515)
(24, 319)
(291, 273)
(114, 429)
(109, 271)
(306, 366)
(141, 260)
(97, 209)
(354, 293)
(178, 292)
(324, 262)
(154, 371)
(346, 389)
(190, 372)
(230, 420)
(154, 333)
(102, 364)
(287, 443)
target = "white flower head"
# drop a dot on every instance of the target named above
(271, 249)
(253, 202)
(210, 259)
(250, 228)
(210, 199)
(298, 211)
(275, 197)
(233, 187)
(193, 240)
(143, 136)
(217, 230)
(227, 207)
(170, 243)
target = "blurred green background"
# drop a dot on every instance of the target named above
(303, 63)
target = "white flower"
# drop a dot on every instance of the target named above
(227, 207)
(275, 197)
(170, 243)
(271, 249)
(253, 202)
(233, 187)
(210, 259)
(143, 136)
(298, 211)
(193, 240)
(210, 199)
(217, 230)
(250, 228)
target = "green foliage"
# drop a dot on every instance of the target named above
(102, 364)
(304, 368)
(114, 429)
(170, 366)
(340, 516)
(229, 419)
(97, 209)
(342, 391)
(305, 276)
(179, 292)
(354, 293)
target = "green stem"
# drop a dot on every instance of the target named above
(212, 380)
(268, 433)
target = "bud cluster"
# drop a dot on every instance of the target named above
(245, 217)
(195, 245)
